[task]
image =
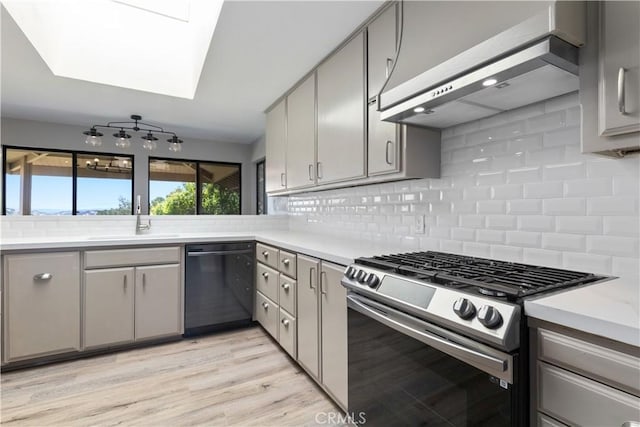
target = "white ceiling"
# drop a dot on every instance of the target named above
(258, 51)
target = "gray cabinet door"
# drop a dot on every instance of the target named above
(308, 327)
(301, 135)
(333, 301)
(383, 148)
(108, 306)
(157, 301)
(276, 143)
(619, 63)
(42, 304)
(341, 114)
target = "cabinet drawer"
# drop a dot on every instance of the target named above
(544, 421)
(267, 281)
(287, 263)
(287, 325)
(267, 314)
(617, 369)
(576, 400)
(287, 290)
(267, 255)
(131, 257)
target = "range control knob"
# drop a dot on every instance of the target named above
(489, 317)
(464, 308)
(361, 275)
(372, 280)
(350, 273)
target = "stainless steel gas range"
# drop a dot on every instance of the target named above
(441, 339)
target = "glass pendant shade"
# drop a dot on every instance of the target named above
(122, 139)
(93, 140)
(149, 142)
(175, 144)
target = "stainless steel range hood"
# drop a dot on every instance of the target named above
(542, 70)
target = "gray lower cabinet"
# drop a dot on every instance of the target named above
(157, 305)
(333, 304)
(42, 304)
(322, 325)
(308, 319)
(584, 380)
(108, 306)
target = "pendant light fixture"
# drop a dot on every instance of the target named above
(94, 138)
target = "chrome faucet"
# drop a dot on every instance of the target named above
(140, 227)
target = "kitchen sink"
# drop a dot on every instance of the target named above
(133, 236)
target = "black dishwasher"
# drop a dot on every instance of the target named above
(219, 286)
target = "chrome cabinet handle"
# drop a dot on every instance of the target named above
(265, 254)
(386, 154)
(265, 275)
(283, 183)
(285, 322)
(144, 280)
(286, 286)
(621, 83)
(311, 273)
(43, 277)
(318, 170)
(286, 262)
(323, 279)
(310, 172)
(265, 305)
(387, 70)
(124, 282)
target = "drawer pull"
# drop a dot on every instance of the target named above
(265, 254)
(43, 277)
(621, 85)
(285, 322)
(285, 286)
(265, 305)
(286, 262)
(124, 282)
(265, 275)
(323, 278)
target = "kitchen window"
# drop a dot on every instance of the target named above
(54, 182)
(188, 187)
(261, 205)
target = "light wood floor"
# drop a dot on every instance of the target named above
(230, 379)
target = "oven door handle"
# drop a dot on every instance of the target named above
(496, 366)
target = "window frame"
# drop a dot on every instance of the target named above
(74, 173)
(198, 195)
(265, 210)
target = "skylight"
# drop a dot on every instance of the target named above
(154, 46)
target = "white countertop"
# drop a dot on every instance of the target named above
(339, 251)
(610, 309)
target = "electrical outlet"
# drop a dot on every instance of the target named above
(419, 224)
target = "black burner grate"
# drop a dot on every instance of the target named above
(514, 280)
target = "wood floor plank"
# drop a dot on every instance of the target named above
(237, 378)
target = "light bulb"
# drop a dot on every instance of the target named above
(93, 140)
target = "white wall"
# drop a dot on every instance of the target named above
(514, 186)
(27, 133)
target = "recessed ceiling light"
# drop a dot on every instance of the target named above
(489, 82)
(418, 110)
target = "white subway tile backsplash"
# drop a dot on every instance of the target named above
(452, 246)
(626, 186)
(628, 226)
(476, 249)
(501, 222)
(491, 206)
(579, 224)
(523, 238)
(564, 171)
(557, 138)
(563, 242)
(507, 191)
(467, 234)
(613, 245)
(524, 207)
(542, 257)
(563, 207)
(543, 190)
(524, 174)
(612, 206)
(472, 221)
(561, 102)
(626, 267)
(477, 193)
(586, 262)
(490, 236)
(545, 122)
(491, 178)
(536, 223)
(463, 207)
(589, 187)
(506, 253)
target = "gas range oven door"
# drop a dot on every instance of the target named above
(404, 371)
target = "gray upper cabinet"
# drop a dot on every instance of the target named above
(276, 143)
(301, 135)
(619, 66)
(610, 80)
(341, 114)
(383, 137)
